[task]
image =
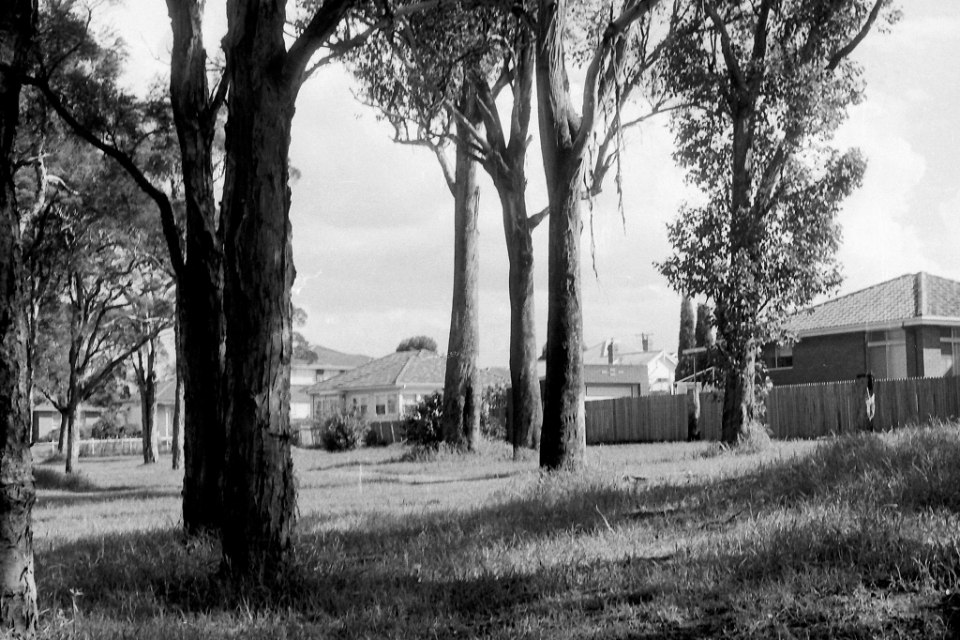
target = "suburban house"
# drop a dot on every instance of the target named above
(46, 419)
(905, 327)
(618, 368)
(303, 375)
(386, 388)
(130, 414)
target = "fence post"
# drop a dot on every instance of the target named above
(693, 414)
(866, 402)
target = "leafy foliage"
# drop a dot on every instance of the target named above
(687, 339)
(493, 412)
(768, 89)
(343, 431)
(423, 428)
(416, 343)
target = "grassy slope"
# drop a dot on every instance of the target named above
(852, 538)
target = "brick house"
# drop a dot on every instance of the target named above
(903, 328)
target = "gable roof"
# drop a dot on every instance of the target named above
(336, 360)
(911, 297)
(396, 369)
(421, 368)
(624, 353)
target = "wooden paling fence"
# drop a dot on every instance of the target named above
(800, 411)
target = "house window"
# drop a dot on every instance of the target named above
(950, 351)
(780, 357)
(364, 406)
(318, 376)
(381, 405)
(887, 353)
(391, 405)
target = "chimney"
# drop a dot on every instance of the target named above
(645, 341)
(610, 351)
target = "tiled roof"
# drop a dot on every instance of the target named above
(335, 359)
(403, 367)
(597, 354)
(613, 374)
(908, 297)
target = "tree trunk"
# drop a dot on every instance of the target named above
(563, 441)
(148, 412)
(527, 408)
(462, 395)
(64, 424)
(73, 439)
(259, 496)
(200, 351)
(176, 440)
(738, 396)
(563, 436)
(18, 591)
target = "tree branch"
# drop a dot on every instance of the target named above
(845, 51)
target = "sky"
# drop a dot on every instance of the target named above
(373, 220)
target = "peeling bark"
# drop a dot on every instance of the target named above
(258, 486)
(200, 350)
(18, 590)
(462, 394)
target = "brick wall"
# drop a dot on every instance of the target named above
(830, 358)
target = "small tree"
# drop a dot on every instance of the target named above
(770, 83)
(688, 338)
(417, 343)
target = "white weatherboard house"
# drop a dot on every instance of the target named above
(381, 389)
(303, 375)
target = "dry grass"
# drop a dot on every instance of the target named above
(849, 538)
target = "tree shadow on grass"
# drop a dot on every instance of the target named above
(103, 495)
(392, 570)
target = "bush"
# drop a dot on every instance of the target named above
(343, 431)
(372, 438)
(422, 427)
(493, 412)
(109, 427)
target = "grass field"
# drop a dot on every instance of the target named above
(848, 538)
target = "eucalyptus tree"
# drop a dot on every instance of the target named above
(18, 590)
(151, 313)
(77, 73)
(491, 47)
(769, 82)
(569, 140)
(89, 327)
(444, 68)
(265, 70)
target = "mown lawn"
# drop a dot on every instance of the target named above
(848, 538)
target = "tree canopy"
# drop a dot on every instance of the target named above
(416, 343)
(768, 84)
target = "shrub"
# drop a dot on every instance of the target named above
(343, 431)
(372, 438)
(109, 427)
(493, 412)
(422, 427)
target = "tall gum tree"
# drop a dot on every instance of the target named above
(199, 268)
(427, 85)
(770, 82)
(18, 590)
(265, 77)
(195, 248)
(566, 138)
